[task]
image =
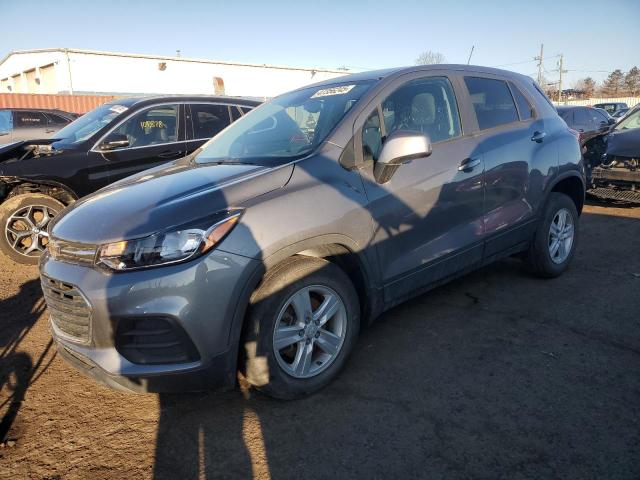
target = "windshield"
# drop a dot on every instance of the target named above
(632, 120)
(289, 126)
(84, 127)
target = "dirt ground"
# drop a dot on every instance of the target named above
(496, 375)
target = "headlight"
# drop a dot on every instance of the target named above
(165, 248)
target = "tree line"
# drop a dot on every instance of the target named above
(617, 84)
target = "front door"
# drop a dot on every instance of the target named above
(428, 216)
(155, 136)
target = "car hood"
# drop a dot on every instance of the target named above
(624, 143)
(164, 197)
(24, 149)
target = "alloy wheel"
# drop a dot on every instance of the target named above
(310, 331)
(561, 234)
(26, 229)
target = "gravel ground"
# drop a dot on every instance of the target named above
(496, 375)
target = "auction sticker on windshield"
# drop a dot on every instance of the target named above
(118, 108)
(325, 92)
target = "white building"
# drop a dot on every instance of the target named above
(61, 70)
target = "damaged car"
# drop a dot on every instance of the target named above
(613, 159)
(38, 178)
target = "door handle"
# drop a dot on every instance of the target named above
(468, 164)
(538, 136)
(49, 130)
(171, 154)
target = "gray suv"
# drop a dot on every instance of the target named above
(269, 247)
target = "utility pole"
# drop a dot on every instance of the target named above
(540, 59)
(560, 65)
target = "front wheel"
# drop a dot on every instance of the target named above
(24, 220)
(556, 238)
(302, 324)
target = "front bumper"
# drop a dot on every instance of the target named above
(198, 299)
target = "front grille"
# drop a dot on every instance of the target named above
(628, 196)
(69, 311)
(70, 252)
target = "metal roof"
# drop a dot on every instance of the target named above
(162, 57)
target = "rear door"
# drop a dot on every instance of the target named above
(156, 136)
(206, 120)
(511, 139)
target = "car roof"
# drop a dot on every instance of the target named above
(394, 72)
(151, 99)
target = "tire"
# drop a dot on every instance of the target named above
(539, 257)
(23, 213)
(274, 307)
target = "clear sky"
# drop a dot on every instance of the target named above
(358, 34)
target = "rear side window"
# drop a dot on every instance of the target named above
(6, 122)
(208, 120)
(492, 102)
(236, 113)
(542, 94)
(29, 119)
(524, 107)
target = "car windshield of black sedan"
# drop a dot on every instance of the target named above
(632, 120)
(289, 126)
(84, 127)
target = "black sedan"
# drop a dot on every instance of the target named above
(589, 122)
(38, 178)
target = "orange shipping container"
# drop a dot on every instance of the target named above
(68, 103)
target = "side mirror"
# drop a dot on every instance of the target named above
(399, 147)
(613, 121)
(114, 141)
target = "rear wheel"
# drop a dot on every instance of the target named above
(24, 220)
(556, 239)
(302, 324)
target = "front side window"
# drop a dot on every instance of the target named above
(567, 116)
(492, 102)
(600, 117)
(371, 137)
(57, 119)
(289, 126)
(582, 116)
(208, 120)
(427, 105)
(153, 126)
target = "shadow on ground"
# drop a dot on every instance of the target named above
(496, 375)
(18, 369)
